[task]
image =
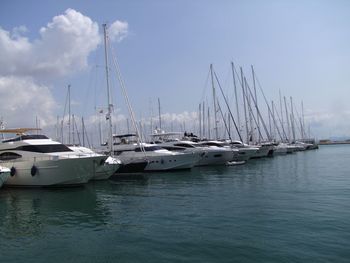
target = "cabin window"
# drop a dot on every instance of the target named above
(6, 156)
(184, 145)
(148, 148)
(49, 148)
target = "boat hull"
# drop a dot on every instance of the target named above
(4, 175)
(215, 157)
(53, 172)
(134, 167)
(180, 161)
(244, 154)
(264, 151)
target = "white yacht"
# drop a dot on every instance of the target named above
(102, 172)
(265, 150)
(159, 159)
(36, 160)
(223, 146)
(280, 149)
(246, 152)
(4, 174)
(206, 154)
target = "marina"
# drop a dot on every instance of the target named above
(286, 208)
(174, 131)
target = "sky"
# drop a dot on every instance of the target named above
(164, 49)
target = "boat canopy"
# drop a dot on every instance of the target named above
(27, 137)
(19, 131)
(124, 135)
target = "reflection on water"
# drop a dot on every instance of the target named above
(26, 212)
(292, 208)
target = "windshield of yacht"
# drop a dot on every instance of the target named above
(187, 145)
(48, 148)
(149, 148)
(211, 144)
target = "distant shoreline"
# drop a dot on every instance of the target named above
(333, 142)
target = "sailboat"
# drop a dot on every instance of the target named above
(131, 166)
(102, 172)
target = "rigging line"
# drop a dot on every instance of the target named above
(284, 132)
(274, 111)
(251, 110)
(131, 112)
(78, 134)
(235, 95)
(223, 118)
(268, 106)
(64, 114)
(205, 86)
(299, 125)
(93, 70)
(234, 122)
(258, 111)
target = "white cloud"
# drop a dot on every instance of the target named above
(63, 48)
(22, 100)
(324, 124)
(118, 30)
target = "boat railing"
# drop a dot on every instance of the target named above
(50, 157)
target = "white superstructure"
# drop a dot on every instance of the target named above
(35, 160)
(159, 159)
(102, 172)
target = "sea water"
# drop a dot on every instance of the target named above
(293, 208)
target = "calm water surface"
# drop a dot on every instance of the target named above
(293, 208)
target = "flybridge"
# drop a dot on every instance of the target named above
(27, 137)
(22, 136)
(19, 131)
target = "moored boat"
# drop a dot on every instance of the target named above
(102, 172)
(36, 160)
(159, 159)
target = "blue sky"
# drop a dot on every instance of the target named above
(298, 47)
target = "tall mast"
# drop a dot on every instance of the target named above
(69, 120)
(287, 118)
(303, 120)
(203, 117)
(258, 112)
(281, 108)
(208, 122)
(236, 97)
(109, 110)
(57, 127)
(160, 118)
(228, 107)
(214, 100)
(270, 125)
(273, 132)
(200, 120)
(73, 132)
(83, 129)
(100, 129)
(256, 97)
(292, 119)
(250, 112)
(244, 106)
